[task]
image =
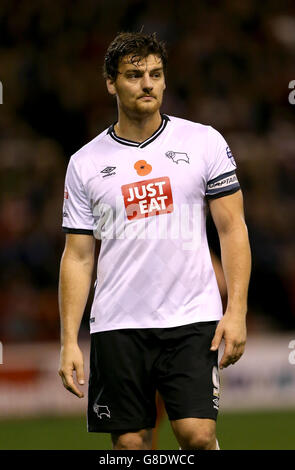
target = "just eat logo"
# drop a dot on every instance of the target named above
(147, 198)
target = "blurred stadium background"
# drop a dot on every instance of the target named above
(230, 65)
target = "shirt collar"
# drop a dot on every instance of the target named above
(131, 143)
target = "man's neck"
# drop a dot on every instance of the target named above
(137, 130)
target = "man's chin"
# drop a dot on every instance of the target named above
(147, 107)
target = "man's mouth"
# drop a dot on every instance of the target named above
(147, 97)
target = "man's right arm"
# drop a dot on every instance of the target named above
(75, 278)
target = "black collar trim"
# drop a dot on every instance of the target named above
(146, 142)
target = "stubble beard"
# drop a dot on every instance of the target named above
(142, 110)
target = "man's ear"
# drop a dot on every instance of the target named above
(111, 86)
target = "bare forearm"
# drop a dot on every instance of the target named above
(74, 285)
(228, 215)
(236, 263)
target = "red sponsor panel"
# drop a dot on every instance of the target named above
(147, 198)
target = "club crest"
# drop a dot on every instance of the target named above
(176, 157)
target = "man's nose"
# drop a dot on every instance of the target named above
(147, 83)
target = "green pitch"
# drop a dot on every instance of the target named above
(247, 430)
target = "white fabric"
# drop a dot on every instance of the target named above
(154, 267)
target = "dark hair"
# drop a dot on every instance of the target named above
(138, 45)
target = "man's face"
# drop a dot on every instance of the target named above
(139, 86)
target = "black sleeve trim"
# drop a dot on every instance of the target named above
(224, 175)
(78, 231)
(224, 193)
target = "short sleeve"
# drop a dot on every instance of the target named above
(221, 177)
(77, 214)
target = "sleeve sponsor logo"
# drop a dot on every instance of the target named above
(148, 198)
(231, 157)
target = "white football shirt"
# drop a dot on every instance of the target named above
(146, 202)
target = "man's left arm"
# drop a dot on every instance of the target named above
(228, 215)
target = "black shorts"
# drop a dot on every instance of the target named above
(127, 367)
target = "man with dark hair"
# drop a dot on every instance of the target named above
(134, 45)
(142, 187)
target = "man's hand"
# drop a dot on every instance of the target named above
(233, 330)
(71, 358)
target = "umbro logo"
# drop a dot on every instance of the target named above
(108, 171)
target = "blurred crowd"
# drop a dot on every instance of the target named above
(230, 64)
